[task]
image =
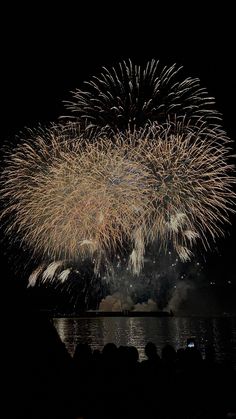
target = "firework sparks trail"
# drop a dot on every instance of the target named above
(129, 96)
(69, 198)
(35, 275)
(51, 271)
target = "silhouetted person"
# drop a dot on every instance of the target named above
(39, 381)
(151, 352)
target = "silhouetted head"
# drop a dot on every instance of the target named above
(168, 354)
(83, 352)
(109, 352)
(133, 354)
(151, 350)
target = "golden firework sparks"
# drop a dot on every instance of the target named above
(69, 198)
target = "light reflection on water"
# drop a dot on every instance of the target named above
(137, 331)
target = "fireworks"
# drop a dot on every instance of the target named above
(130, 95)
(193, 187)
(144, 161)
(69, 198)
(72, 199)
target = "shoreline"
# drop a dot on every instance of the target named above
(115, 314)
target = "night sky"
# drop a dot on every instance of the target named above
(46, 55)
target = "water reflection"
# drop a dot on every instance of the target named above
(137, 331)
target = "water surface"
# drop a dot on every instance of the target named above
(137, 331)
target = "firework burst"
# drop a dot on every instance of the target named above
(73, 199)
(130, 96)
(70, 198)
(192, 194)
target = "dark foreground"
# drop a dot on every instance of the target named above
(42, 381)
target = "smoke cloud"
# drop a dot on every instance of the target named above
(116, 302)
(179, 295)
(119, 302)
(150, 305)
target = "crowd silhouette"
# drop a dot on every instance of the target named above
(43, 381)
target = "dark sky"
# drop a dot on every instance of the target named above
(46, 54)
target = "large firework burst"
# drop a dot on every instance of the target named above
(66, 197)
(73, 198)
(130, 96)
(192, 194)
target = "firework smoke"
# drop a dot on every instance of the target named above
(129, 96)
(179, 295)
(116, 302)
(161, 284)
(121, 302)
